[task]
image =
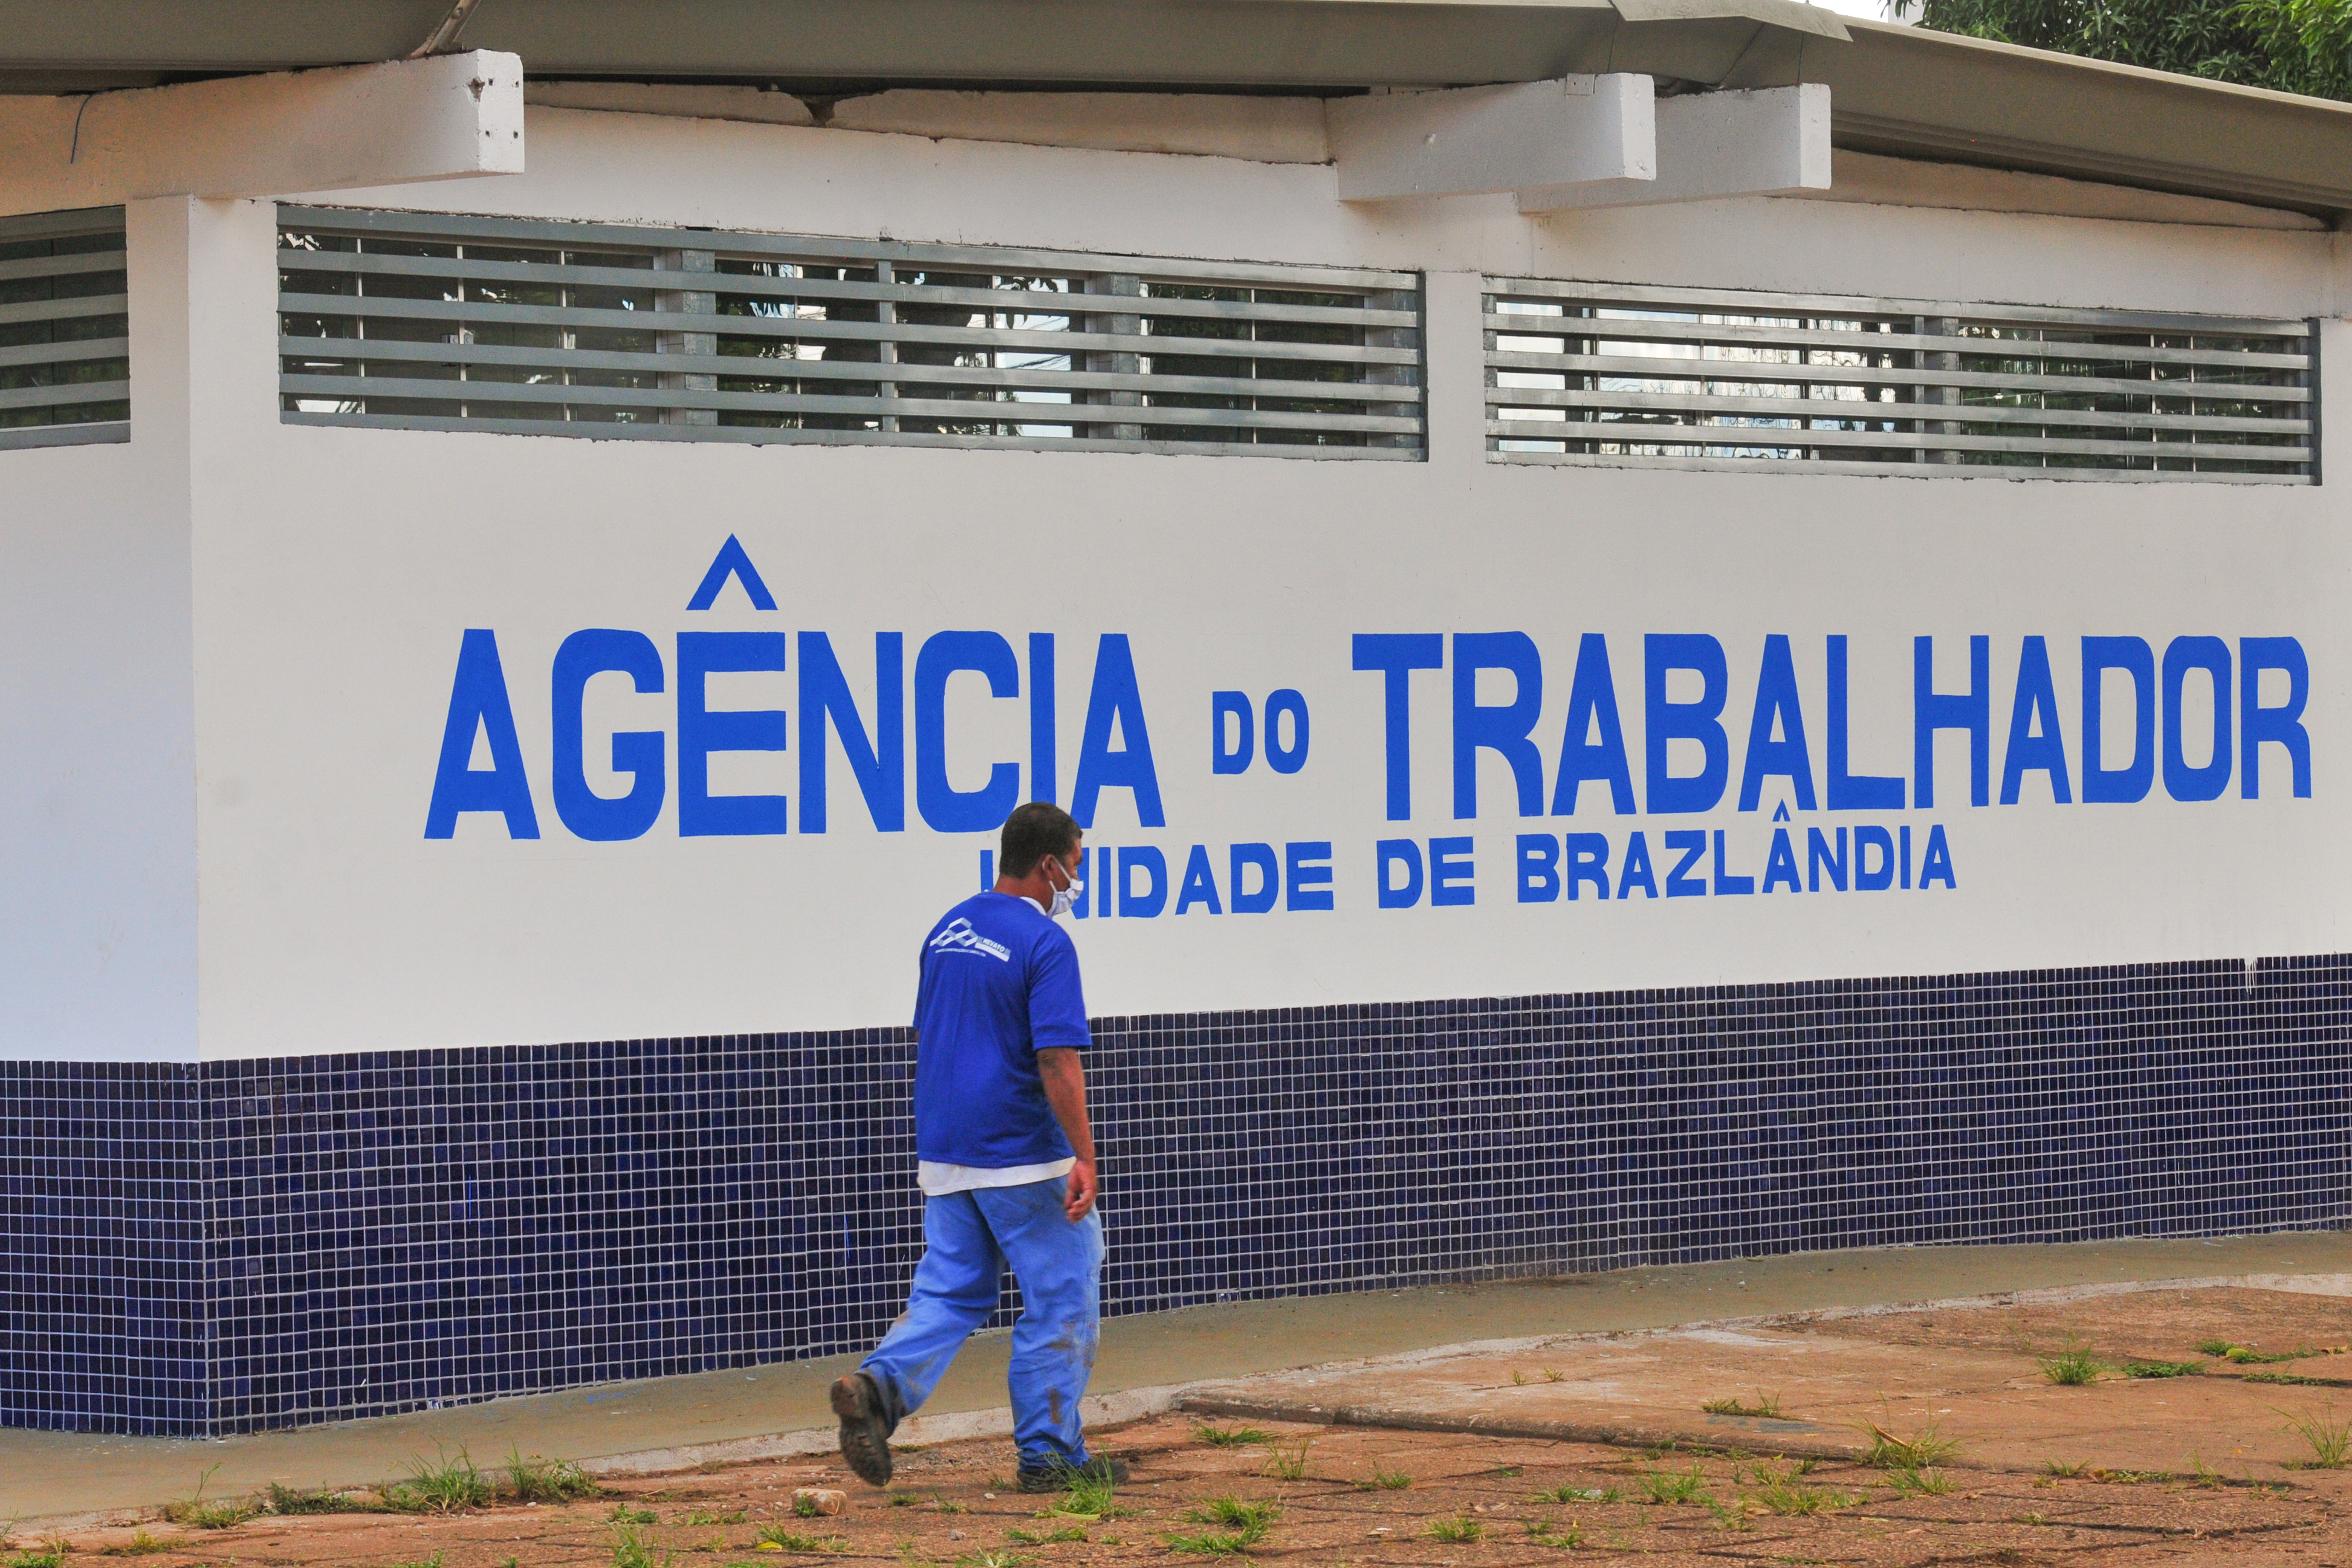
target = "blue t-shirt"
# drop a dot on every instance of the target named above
(1000, 984)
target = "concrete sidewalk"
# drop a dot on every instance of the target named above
(674, 1421)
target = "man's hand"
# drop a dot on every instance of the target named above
(1065, 1091)
(1081, 1202)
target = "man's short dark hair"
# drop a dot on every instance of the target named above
(1030, 833)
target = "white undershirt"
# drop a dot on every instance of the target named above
(937, 1178)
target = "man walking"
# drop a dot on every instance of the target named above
(1006, 1161)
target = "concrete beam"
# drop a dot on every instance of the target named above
(1775, 141)
(449, 117)
(1577, 129)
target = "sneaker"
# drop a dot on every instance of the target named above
(865, 1434)
(1057, 1477)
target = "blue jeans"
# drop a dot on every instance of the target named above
(968, 1240)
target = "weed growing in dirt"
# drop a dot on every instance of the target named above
(945, 1506)
(1732, 1515)
(1786, 1494)
(140, 1545)
(2071, 1367)
(781, 1536)
(2289, 1378)
(49, 1557)
(1553, 1374)
(1385, 1482)
(1919, 1483)
(1560, 1537)
(1767, 1405)
(446, 1486)
(1245, 1526)
(1667, 1488)
(623, 1514)
(1459, 1530)
(2330, 1440)
(2064, 1472)
(1508, 1472)
(1230, 1437)
(1093, 1495)
(432, 1561)
(1235, 1514)
(2162, 1368)
(1578, 1494)
(631, 1550)
(703, 1516)
(986, 1559)
(547, 1480)
(278, 1499)
(1287, 1464)
(2244, 1355)
(1044, 1537)
(196, 1513)
(1518, 1378)
(1889, 1452)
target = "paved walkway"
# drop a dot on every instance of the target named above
(669, 1422)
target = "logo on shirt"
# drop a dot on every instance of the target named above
(959, 937)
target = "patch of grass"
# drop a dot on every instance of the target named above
(782, 1537)
(631, 1550)
(980, 1558)
(623, 1514)
(1210, 1545)
(2071, 1367)
(945, 1506)
(1553, 1374)
(703, 1516)
(1235, 1514)
(140, 1545)
(278, 1499)
(547, 1480)
(1920, 1483)
(1578, 1494)
(2064, 1472)
(2330, 1440)
(1766, 1405)
(432, 1561)
(1230, 1437)
(1518, 1378)
(1287, 1464)
(1560, 1537)
(1508, 1472)
(443, 1486)
(2288, 1377)
(2244, 1355)
(1458, 1530)
(1044, 1538)
(2162, 1368)
(1093, 1495)
(196, 1513)
(49, 1557)
(2129, 1477)
(1668, 1488)
(1732, 1515)
(1785, 1493)
(1385, 1482)
(1916, 1452)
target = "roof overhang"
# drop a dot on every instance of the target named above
(1902, 91)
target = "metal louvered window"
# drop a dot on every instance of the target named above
(1605, 375)
(65, 329)
(419, 322)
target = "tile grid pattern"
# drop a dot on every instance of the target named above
(397, 1230)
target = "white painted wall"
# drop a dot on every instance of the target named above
(98, 852)
(334, 571)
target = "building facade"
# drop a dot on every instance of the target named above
(1784, 696)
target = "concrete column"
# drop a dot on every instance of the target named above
(1454, 322)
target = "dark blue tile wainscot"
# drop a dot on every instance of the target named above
(200, 1250)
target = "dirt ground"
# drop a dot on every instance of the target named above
(2200, 1468)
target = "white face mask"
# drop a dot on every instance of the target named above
(1066, 898)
